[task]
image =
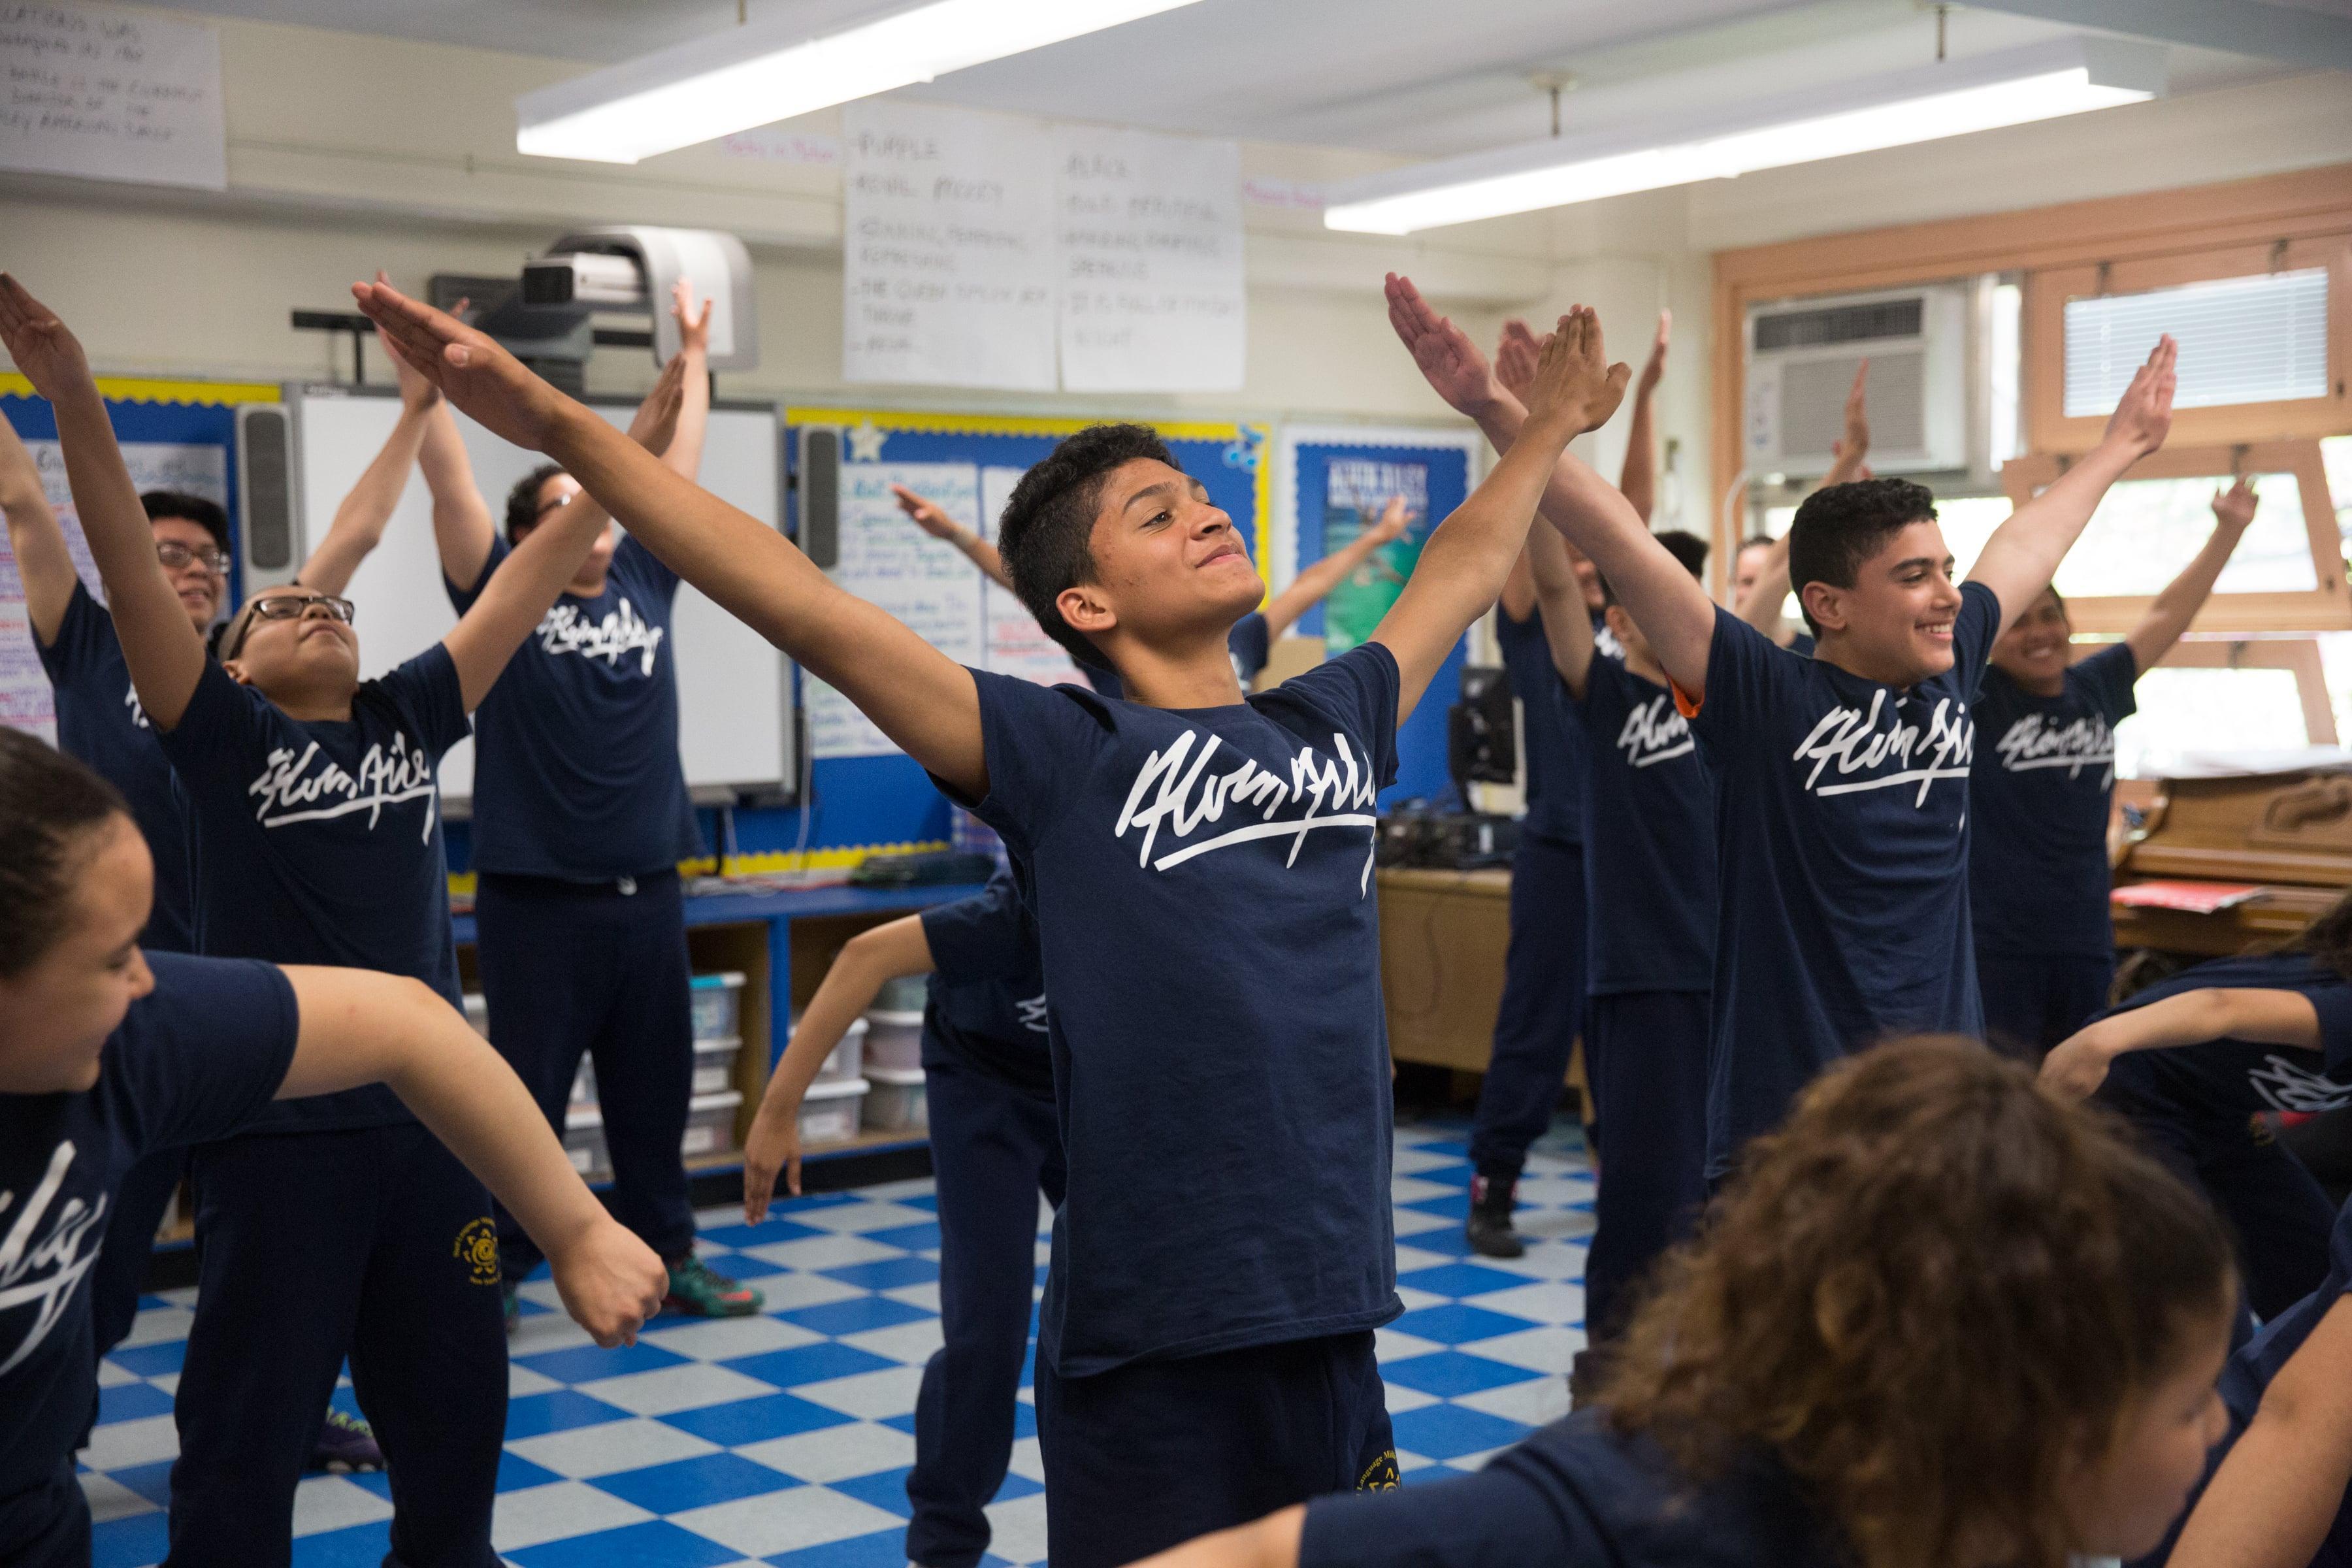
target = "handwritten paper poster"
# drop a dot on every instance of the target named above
(947, 248)
(106, 93)
(27, 701)
(1017, 645)
(1151, 237)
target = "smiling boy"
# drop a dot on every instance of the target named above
(1841, 801)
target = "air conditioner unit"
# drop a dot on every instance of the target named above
(1801, 356)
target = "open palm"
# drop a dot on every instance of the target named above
(2143, 416)
(1449, 360)
(50, 355)
(472, 371)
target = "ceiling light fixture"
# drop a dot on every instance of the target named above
(762, 72)
(1951, 97)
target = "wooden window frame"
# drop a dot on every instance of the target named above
(2201, 220)
(2327, 607)
(2041, 380)
(2298, 655)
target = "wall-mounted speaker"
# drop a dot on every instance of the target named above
(816, 481)
(269, 526)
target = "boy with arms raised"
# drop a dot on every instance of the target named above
(1842, 799)
(1201, 868)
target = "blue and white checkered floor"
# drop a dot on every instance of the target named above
(785, 1438)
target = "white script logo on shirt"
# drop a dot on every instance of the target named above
(45, 1274)
(1183, 797)
(290, 792)
(620, 632)
(1852, 740)
(138, 713)
(2286, 1087)
(1032, 1013)
(2031, 743)
(1655, 732)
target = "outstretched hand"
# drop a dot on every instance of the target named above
(471, 369)
(928, 514)
(693, 329)
(2234, 508)
(2143, 418)
(654, 424)
(1575, 386)
(610, 1281)
(1390, 526)
(1449, 360)
(1515, 357)
(1854, 440)
(2075, 1068)
(415, 392)
(773, 1150)
(1654, 367)
(44, 349)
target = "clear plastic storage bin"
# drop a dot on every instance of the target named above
(478, 1013)
(848, 1059)
(583, 1140)
(904, 993)
(714, 1064)
(895, 1103)
(894, 1039)
(830, 1112)
(709, 1124)
(718, 1005)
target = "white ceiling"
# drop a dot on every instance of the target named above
(1404, 76)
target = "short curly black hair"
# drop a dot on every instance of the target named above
(523, 501)
(208, 515)
(1838, 527)
(1048, 525)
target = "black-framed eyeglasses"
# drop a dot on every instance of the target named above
(174, 556)
(294, 606)
(556, 505)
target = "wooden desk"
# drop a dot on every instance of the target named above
(1443, 936)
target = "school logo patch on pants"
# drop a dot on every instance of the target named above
(1381, 1475)
(477, 1250)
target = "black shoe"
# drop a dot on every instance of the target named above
(1488, 1228)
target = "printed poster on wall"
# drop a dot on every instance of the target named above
(1356, 491)
(106, 93)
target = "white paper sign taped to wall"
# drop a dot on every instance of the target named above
(106, 93)
(1150, 242)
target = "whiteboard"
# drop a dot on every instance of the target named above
(734, 690)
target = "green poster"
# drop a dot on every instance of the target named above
(1355, 492)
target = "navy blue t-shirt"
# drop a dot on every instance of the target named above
(100, 721)
(2225, 1081)
(1802, 644)
(1650, 876)
(319, 841)
(1555, 748)
(576, 770)
(1249, 644)
(193, 1060)
(1841, 835)
(1575, 1493)
(987, 1008)
(1201, 884)
(2045, 769)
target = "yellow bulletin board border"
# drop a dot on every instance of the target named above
(147, 389)
(1230, 431)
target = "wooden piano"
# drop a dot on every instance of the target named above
(2289, 833)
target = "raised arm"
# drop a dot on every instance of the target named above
(1546, 572)
(520, 593)
(1638, 480)
(2233, 511)
(933, 519)
(1760, 607)
(43, 562)
(1673, 611)
(867, 962)
(1313, 581)
(924, 701)
(360, 521)
(2274, 1498)
(1850, 449)
(165, 655)
(2079, 1064)
(1463, 566)
(683, 451)
(361, 1027)
(463, 529)
(2024, 553)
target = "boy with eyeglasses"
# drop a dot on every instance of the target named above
(336, 1224)
(100, 719)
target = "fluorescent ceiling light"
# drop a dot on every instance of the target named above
(1950, 98)
(762, 72)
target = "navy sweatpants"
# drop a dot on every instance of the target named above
(570, 967)
(375, 1243)
(2033, 1002)
(47, 1526)
(1542, 1009)
(121, 1274)
(1152, 1454)
(1651, 1046)
(994, 1146)
(2279, 1214)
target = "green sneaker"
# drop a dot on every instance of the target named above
(700, 1291)
(346, 1444)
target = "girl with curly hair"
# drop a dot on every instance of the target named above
(1942, 1319)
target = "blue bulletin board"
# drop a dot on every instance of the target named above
(865, 796)
(1335, 480)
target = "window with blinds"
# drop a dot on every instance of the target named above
(2260, 339)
